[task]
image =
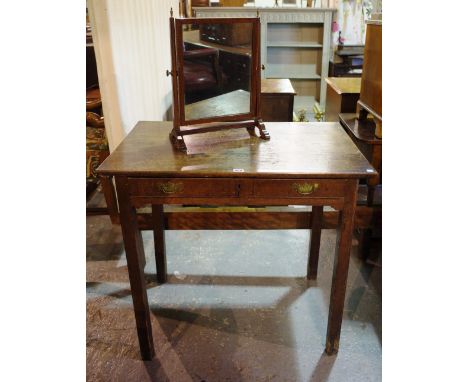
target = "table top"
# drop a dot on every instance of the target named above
(295, 150)
(277, 86)
(235, 102)
(345, 85)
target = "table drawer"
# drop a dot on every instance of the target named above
(299, 188)
(185, 187)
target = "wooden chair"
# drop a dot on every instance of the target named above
(202, 73)
(97, 148)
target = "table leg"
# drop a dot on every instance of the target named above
(111, 200)
(366, 236)
(135, 252)
(159, 243)
(340, 270)
(314, 246)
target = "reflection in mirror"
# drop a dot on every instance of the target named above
(217, 69)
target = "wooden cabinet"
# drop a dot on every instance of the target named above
(342, 97)
(347, 61)
(371, 92)
(295, 44)
(277, 100)
(236, 68)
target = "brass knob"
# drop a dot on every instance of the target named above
(305, 188)
(263, 67)
(171, 188)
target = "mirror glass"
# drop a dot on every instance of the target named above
(216, 69)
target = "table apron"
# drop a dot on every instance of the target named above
(237, 192)
(336, 203)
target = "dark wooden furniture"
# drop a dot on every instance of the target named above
(366, 130)
(232, 34)
(362, 134)
(370, 101)
(236, 68)
(277, 100)
(305, 164)
(201, 70)
(248, 118)
(342, 96)
(347, 61)
(234, 60)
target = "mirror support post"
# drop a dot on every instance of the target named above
(175, 134)
(264, 134)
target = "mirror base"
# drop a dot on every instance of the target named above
(177, 135)
(177, 141)
(264, 134)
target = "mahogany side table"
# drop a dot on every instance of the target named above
(304, 163)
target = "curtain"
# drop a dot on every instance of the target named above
(350, 21)
(132, 45)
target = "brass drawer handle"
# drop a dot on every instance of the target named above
(171, 188)
(305, 188)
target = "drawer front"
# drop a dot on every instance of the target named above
(299, 188)
(185, 187)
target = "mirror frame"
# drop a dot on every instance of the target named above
(254, 68)
(248, 120)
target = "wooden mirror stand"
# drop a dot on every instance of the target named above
(186, 123)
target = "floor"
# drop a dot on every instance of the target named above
(237, 307)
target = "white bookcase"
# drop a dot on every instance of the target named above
(295, 44)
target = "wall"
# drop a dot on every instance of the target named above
(131, 40)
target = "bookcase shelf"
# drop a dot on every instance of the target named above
(295, 51)
(294, 71)
(295, 44)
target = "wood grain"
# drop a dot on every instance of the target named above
(371, 85)
(340, 272)
(135, 254)
(110, 197)
(277, 86)
(365, 217)
(296, 150)
(232, 103)
(277, 100)
(344, 85)
(342, 96)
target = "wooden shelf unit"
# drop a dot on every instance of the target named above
(295, 33)
(301, 60)
(295, 44)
